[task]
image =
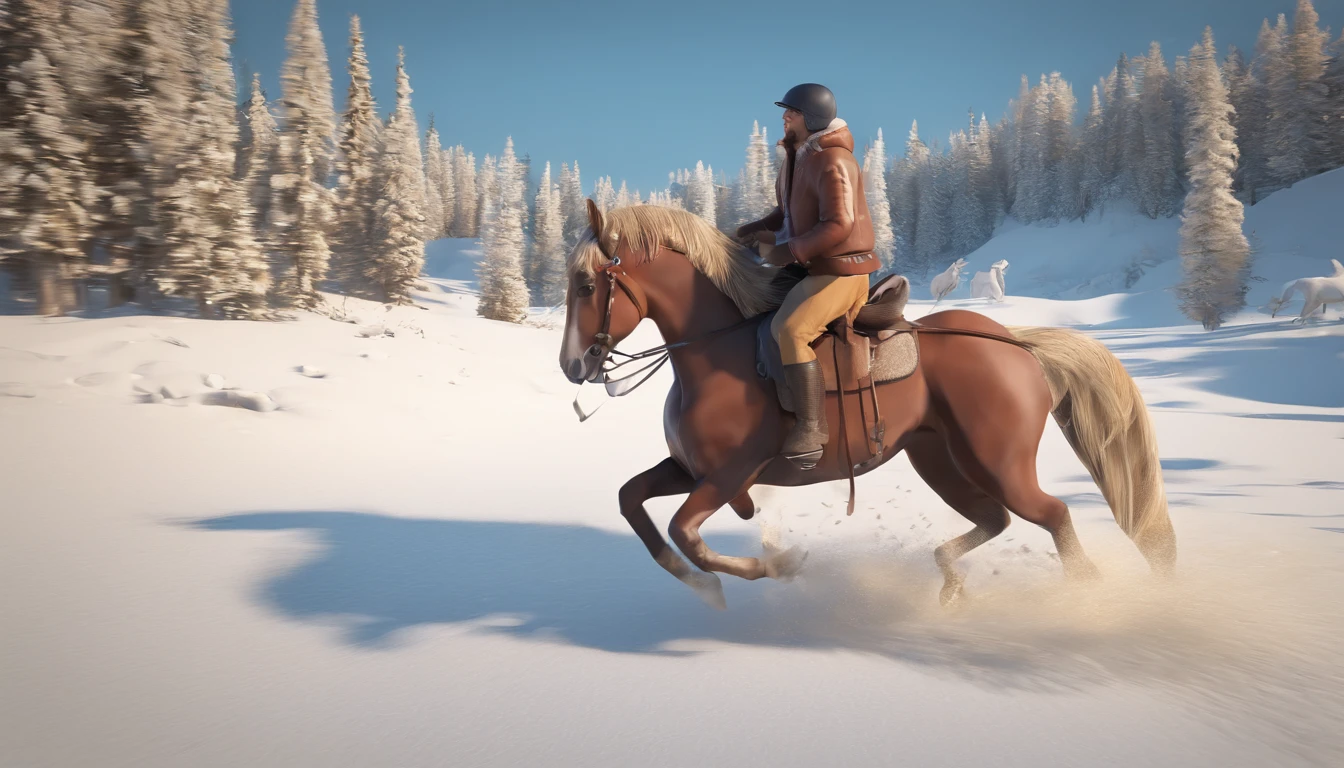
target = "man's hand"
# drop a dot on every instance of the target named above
(777, 255)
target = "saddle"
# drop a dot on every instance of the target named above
(876, 348)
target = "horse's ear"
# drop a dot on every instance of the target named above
(594, 218)
(1339, 269)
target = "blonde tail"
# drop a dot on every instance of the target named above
(1101, 411)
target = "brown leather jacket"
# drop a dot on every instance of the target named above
(820, 198)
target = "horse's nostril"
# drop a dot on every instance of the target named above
(574, 370)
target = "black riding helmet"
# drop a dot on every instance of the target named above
(816, 102)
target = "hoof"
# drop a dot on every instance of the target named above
(952, 592)
(747, 514)
(783, 566)
(708, 587)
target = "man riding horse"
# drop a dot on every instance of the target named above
(821, 222)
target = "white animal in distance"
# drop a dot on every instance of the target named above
(1316, 292)
(989, 285)
(948, 281)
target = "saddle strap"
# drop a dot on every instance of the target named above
(916, 328)
(844, 438)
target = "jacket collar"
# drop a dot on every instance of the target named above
(834, 135)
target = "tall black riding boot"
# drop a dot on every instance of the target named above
(805, 443)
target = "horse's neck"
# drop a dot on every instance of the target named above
(685, 304)
(684, 315)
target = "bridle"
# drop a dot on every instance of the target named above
(604, 346)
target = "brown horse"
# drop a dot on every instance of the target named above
(970, 418)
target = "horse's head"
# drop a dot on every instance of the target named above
(958, 265)
(1001, 265)
(603, 305)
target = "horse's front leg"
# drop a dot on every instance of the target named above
(715, 490)
(667, 478)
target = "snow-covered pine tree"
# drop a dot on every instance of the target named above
(212, 254)
(1307, 50)
(448, 191)
(433, 183)
(1334, 113)
(1180, 76)
(357, 183)
(983, 180)
(487, 186)
(303, 207)
(1035, 198)
(257, 159)
(525, 177)
(623, 196)
(399, 213)
(1158, 184)
(120, 155)
(724, 204)
(1061, 159)
(515, 196)
(737, 216)
(1123, 131)
(45, 192)
(879, 207)
(963, 213)
(549, 239)
(1092, 151)
(905, 193)
(758, 184)
(504, 293)
(572, 206)
(1244, 93)
(466, 186)
(701, 197)
(1132, 141)
(1213, 249)
(1000, 164)
(604, 194)
(1284, 161)
(934, 199)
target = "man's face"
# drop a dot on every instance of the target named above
(794, 126)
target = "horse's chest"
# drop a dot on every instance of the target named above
(705, 426)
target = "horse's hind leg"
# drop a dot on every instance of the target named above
(1008, 474)
(931, 460)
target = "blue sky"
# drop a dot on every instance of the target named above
(635, 89)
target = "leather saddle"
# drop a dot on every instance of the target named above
(883, 315)
(854, 357)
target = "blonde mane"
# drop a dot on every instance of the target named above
(728, 265)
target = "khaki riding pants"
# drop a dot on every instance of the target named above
(814, 303)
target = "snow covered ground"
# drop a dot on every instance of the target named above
(416, 558)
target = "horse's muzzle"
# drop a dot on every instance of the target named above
(587, 368)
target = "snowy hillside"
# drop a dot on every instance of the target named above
(416, 558)
(1087, 259)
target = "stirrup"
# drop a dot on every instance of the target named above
(807, 459)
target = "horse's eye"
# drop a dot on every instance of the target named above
(586, 290)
